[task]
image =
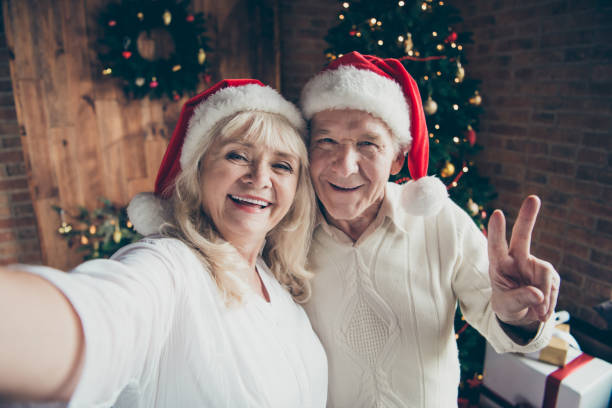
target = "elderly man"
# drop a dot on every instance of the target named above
(392, 261)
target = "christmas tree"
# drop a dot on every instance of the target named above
(421, 35)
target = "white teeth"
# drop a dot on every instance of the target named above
(251, 201)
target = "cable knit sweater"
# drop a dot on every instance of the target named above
(384, 306)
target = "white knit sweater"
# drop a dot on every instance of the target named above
(384, 306)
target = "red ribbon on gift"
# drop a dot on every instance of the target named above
(553, 381)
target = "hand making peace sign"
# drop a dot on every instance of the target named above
(525, 288)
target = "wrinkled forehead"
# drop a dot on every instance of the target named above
(356, 121)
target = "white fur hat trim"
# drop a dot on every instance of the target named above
(348, 87)
(147, 212)
(230, 100)
(425, 196)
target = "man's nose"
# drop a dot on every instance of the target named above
(346, 160)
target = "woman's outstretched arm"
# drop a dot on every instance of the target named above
(41, 339)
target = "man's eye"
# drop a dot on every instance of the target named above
(326, 140)
(367, 144)
(235, 156)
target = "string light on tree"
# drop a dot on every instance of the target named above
(476, 100)
(167, 17)
(408, 43)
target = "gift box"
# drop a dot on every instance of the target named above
(512, 380)
(556, 350)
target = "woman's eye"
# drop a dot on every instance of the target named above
(367, 144)
(284, 167)
(235, 156)
(326, 140)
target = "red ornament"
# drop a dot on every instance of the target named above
(471, 136)
(153, 84)
(176, 96)
(112, 23)
(190, 18)
(207, 78)
(451, 38)
(126, 54)
(352, 33)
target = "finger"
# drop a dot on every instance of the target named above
(496, 238)
(543, 278)
(520, 241)
(554, 293)
(516, 304)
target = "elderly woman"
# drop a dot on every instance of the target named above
(202, 312)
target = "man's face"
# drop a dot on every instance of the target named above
(352, 154)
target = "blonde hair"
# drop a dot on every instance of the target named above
(286, 244)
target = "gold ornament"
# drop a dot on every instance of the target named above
(430, 106)
(140, 16)
(460, 71)
(476, 100)
(167, 17)
(472, 207)
(448, 169)
(176, 68)
(84, 240)
(201, 56)
(139, 81)
(107, 71)
(117, 234)
(92, 229)
(408, 44)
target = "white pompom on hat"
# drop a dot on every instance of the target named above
(383, 88)
(148, 211)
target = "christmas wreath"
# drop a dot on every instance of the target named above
(156, 47)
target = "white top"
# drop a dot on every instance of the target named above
(384, 306)
(158, 334)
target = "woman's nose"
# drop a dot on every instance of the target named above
(259, 175)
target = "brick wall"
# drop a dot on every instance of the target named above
(18, 233)
(546, 71)
(304, 25)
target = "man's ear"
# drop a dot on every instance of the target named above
(398, 162)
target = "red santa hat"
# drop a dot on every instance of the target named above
(148, 211)
(383, 88)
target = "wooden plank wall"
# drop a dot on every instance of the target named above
(81, 138)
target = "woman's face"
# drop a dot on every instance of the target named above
(247, 188)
